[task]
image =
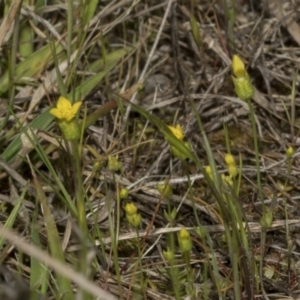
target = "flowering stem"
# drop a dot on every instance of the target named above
(79, 190)
(118, 212)
(79, 196)
(256, 152)
(139, 255)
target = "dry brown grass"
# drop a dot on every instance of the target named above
(266, 34)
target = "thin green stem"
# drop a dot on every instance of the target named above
(79, 190)
(255, 139)
(70, 30)
(140, 262)
(114, 246)
(81, 212)
(118, 212)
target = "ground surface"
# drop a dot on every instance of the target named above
(173, 61)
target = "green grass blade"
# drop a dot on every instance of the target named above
(35, 240)
(30, 66)
(54, 242)
(43, 122)
(90, 11)
(12, 217)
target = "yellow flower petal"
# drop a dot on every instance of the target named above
(184, 240)
(232, 170)
(183, 234)
(229, 159)
(238, 67)
(177, 131)
(63, 103)
(56, 113)
(130, 209)
(76, 107)
(65, 110)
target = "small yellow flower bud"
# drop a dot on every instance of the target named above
(130, 209)
(165, 190)
(266, 220)
(209, 172)
(232, 170)
(114, 164)
(238, 67)
(97, 165)
(177, 131)
(168, 255)
(227, 180)
(201, 232)
(123, 193)
(170, 217)
(241, 80)
(184, 240)
(135, 220)
(290, 152)
(183, 234)
(229, 159)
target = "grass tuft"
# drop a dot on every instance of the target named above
(179, 180)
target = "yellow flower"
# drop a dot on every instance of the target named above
(241, 80)
(238, 67)
(132, 216)
(130, 209)
(232, 170)
(64, 109)
(290, 152)
(177, 131)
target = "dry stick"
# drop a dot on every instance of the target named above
(141, 79)
(57, 266)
